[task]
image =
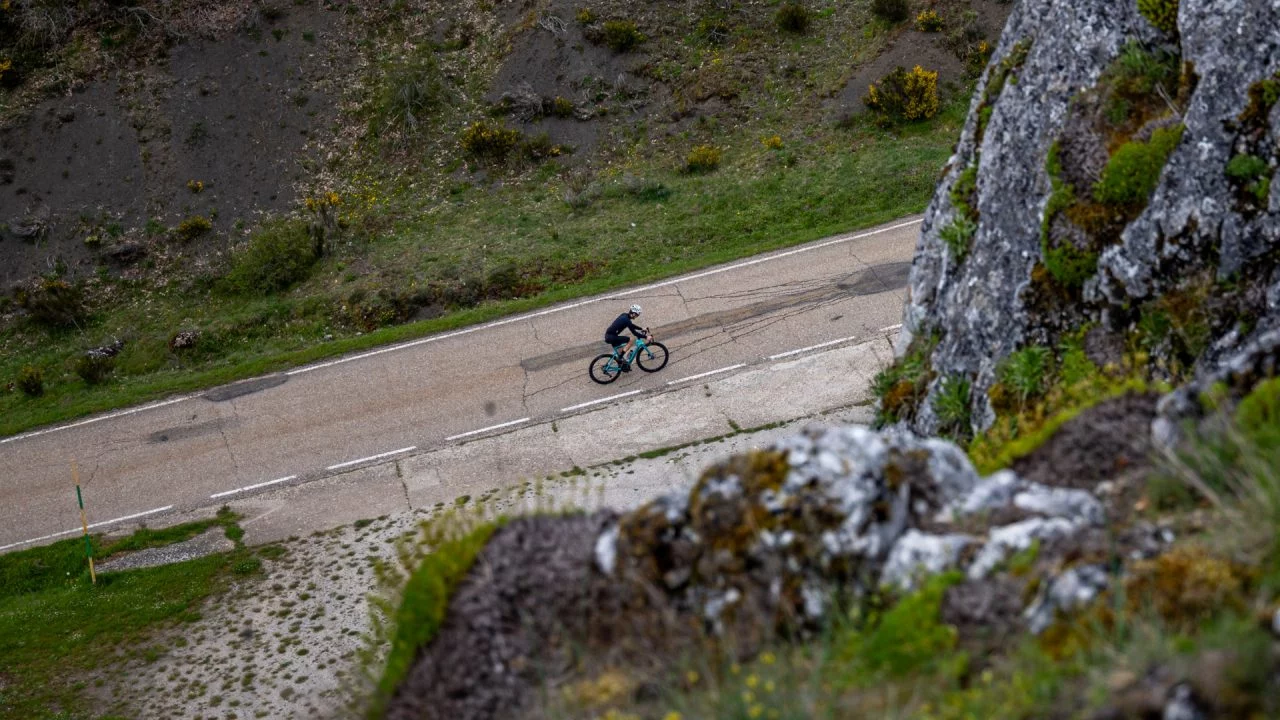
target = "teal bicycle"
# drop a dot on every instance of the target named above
(648, 354)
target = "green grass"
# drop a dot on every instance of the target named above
(750, 205)
(56, 627)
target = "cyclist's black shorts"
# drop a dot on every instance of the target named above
(615, 340)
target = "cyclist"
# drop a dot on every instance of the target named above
(622, 343)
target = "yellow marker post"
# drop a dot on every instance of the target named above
(84, 523)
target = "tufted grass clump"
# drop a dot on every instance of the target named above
(278, 255)
(1132, 173)
(562, 107)
(951, 405)
(484, 140)
(958, 236)
(703, 159)
(792, 17)
(894, 11)
(1163, 14)
(903, 95)
(622, 35)
(1024, 373)
(900, 387)
(408, 93)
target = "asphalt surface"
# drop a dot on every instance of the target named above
(322, 421)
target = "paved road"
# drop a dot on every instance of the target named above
(238, 439)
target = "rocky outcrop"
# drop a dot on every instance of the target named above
(1045, 93)
(766, 542)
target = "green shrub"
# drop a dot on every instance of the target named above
(903, 95)
(958, 235)
(193, 227)
(622, 35)
(408, 93)
(792, 17)
(54, 303)
(94, 368)
(482, 140)
(894, 11)
(585, 16)
(1134, 170)
(929, 21)
(277, 256)
(1161, 13)
(562, 107)
(714, 30)
(1025, 372)
(951, 404)
(703, 158)
(31, 381)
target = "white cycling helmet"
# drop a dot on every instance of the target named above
(635, 309)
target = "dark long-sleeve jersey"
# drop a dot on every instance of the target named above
(623, 322)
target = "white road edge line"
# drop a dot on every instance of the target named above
(589, 403)
(379, 456)
(487, 429)
(613, 296)
(797, 351)
(705, 374)
(247, 488)
(92, 525)
(891, 327)
(111, 416)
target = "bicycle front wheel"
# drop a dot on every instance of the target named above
(653, 357)
(604, 369)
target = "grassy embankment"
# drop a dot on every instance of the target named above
(58, 631)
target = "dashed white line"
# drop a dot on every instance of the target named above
(487, 429)
(589, 403)
(891, 327)
(797, 351)
(379, 456)
(247, 488)
(91, 525)
(100, 418)
(706, 374)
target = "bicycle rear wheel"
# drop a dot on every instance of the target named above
(653, 357)
(604, 369)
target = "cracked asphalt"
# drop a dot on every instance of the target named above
(421, 394)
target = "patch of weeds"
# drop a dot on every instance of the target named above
(1252, 177)
(561, 107)
(1024, 374)
(964, 192)
(407, 94)
(247, 565)
(54, 303)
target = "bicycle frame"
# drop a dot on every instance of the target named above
(631, 356)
